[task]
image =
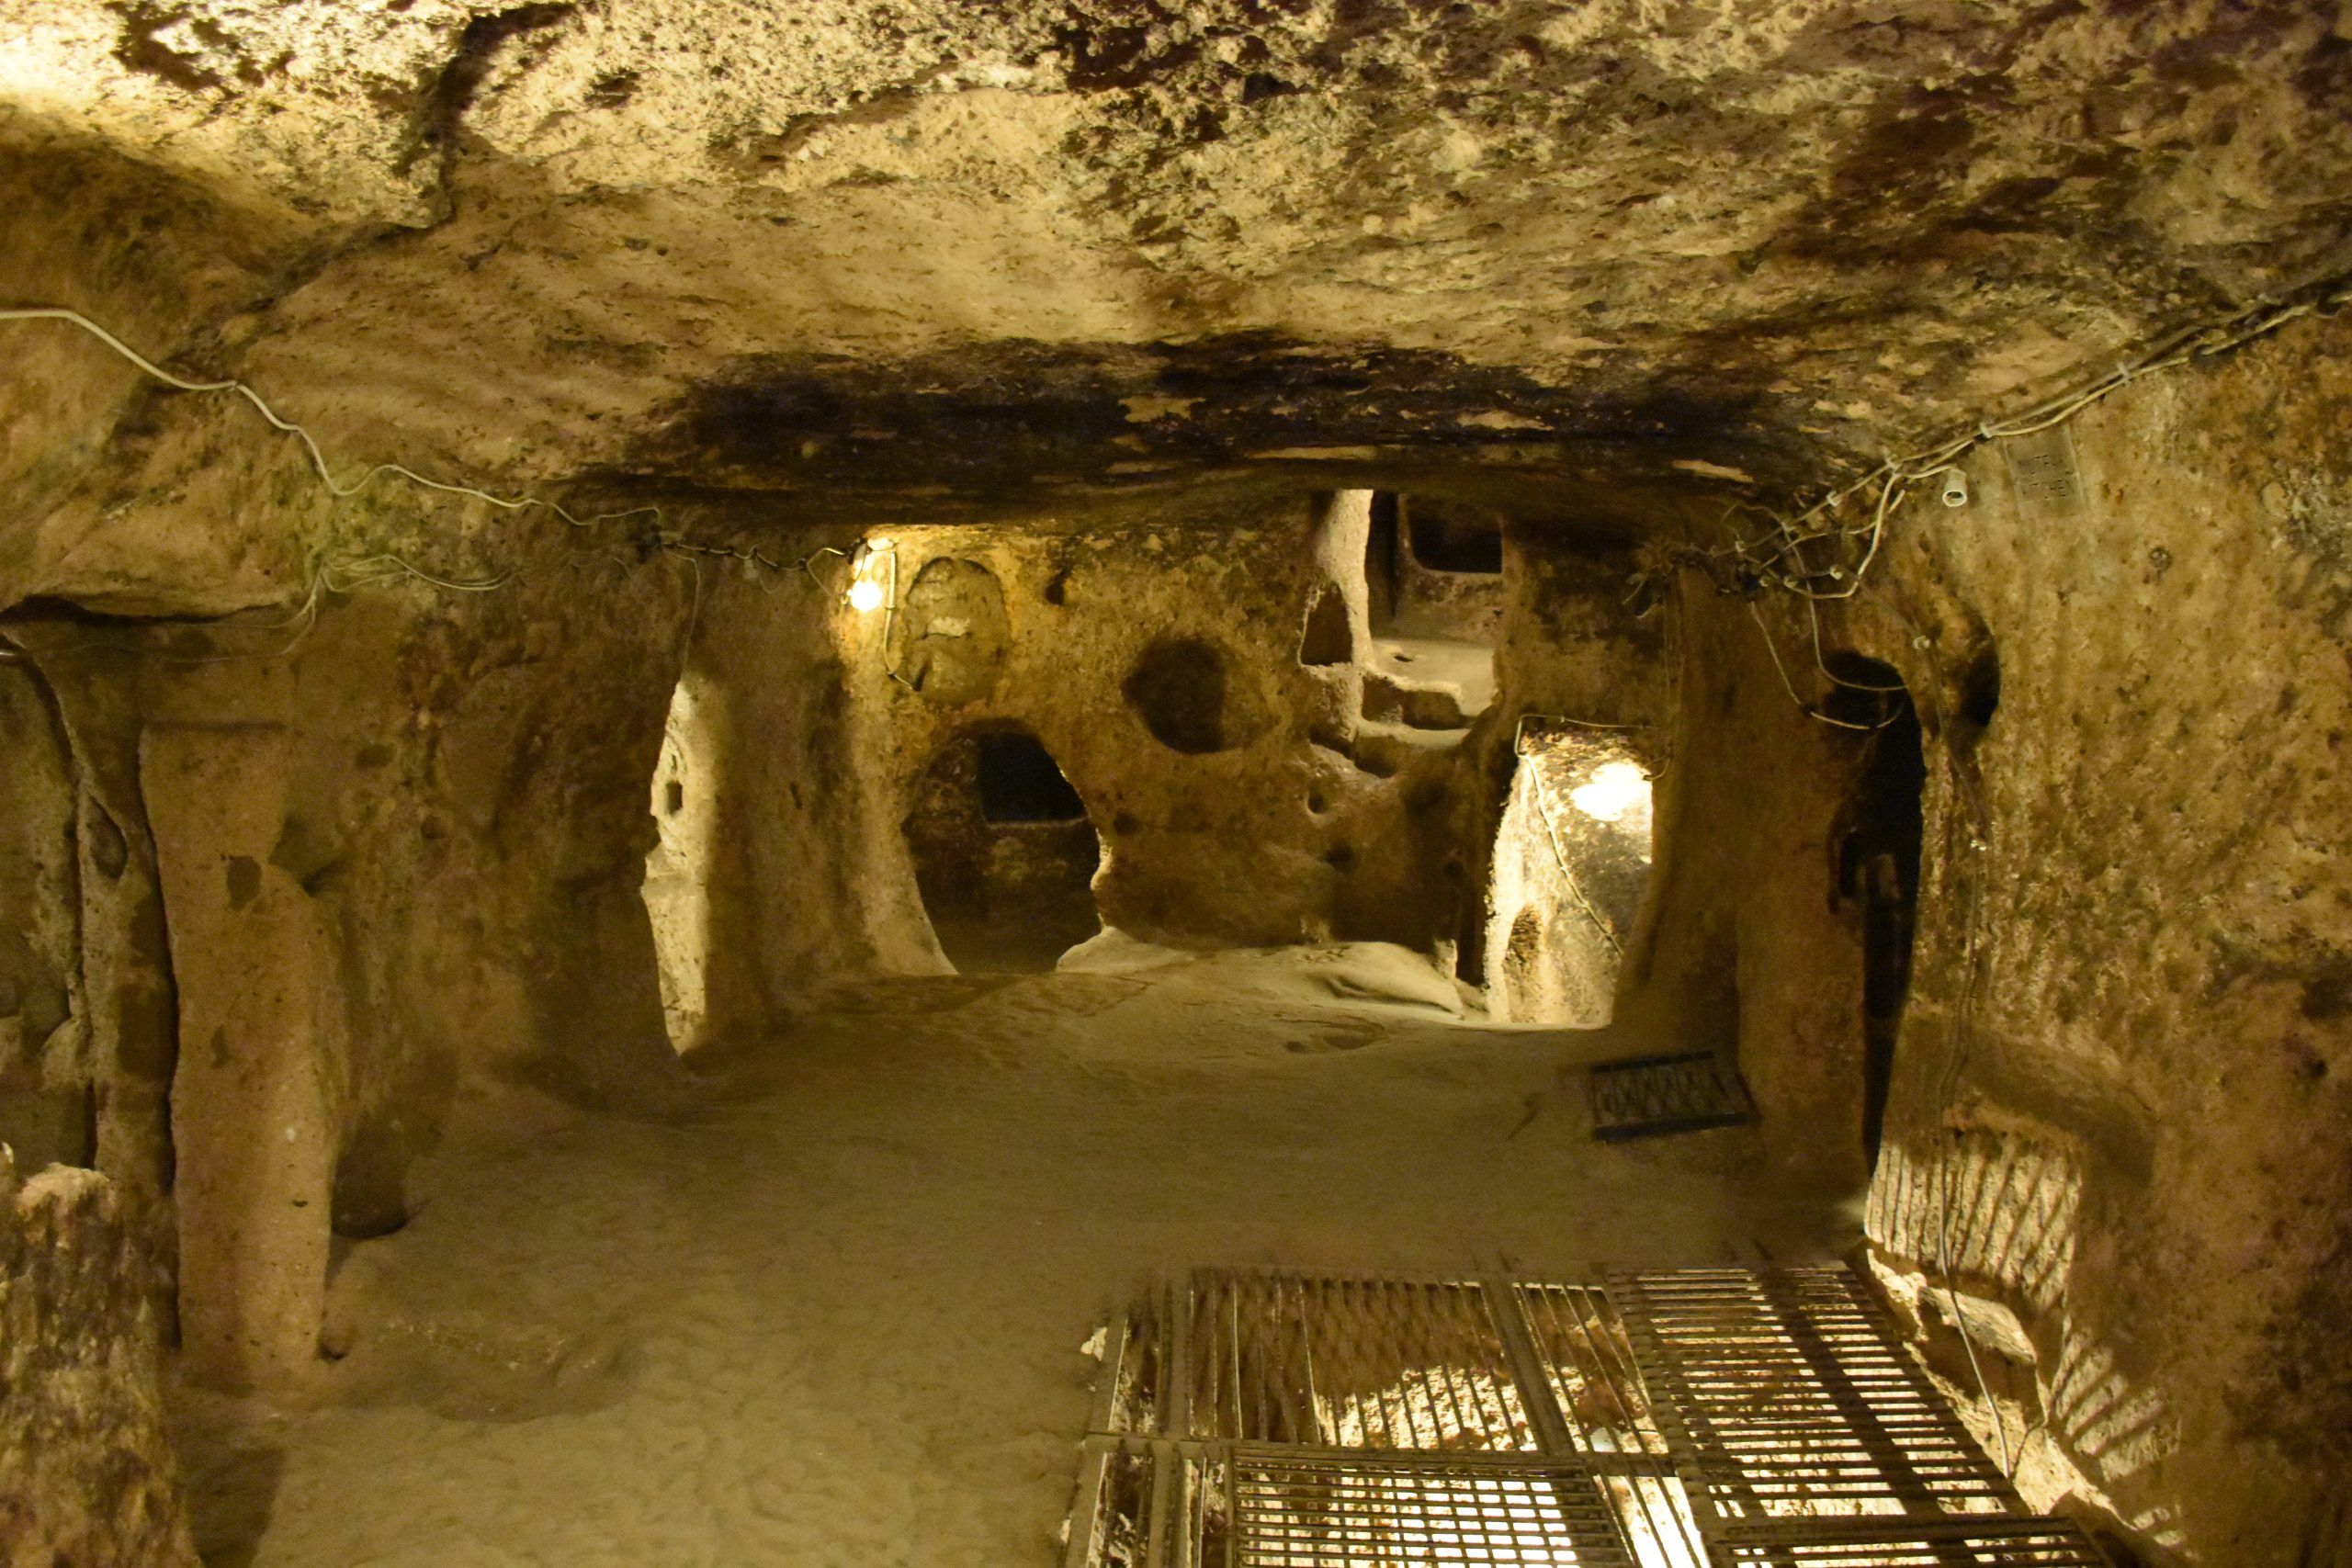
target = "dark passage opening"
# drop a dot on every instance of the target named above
(1878, 859)
(1380, 544)
(1980, 697)
(1019, 782)
(1447, 536)
(1003, 855)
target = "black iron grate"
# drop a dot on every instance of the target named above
(1648, 1097)
(1701, 1418)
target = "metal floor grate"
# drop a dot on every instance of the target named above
(1350, 1364)
(1798, 1400)
(1649, 1097)
(1704, 1419)
(1294, 1508)
(2021, 1542)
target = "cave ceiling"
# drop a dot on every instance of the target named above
(933, 249)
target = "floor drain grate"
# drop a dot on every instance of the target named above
(1649, 1097)
(1701, 1418)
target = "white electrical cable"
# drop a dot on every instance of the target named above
(1543, 814)
(339, 577)
(309, 445)
(1789, 686)
(1896, 474)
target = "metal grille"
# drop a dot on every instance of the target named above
(1797, 1399)
(1111, 1522)
(1704, 1419)
(1923, 1543)
(1648, 1097)
(1589, 1370)
(1350, 1364)
(1293, 1508)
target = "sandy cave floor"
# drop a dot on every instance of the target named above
(832, 1313)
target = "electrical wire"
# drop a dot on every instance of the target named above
(1543, 814)
(337, 489)
(343, 576)
(1784, 564)
(1808, 709)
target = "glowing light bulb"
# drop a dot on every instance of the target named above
(865, 594)
(1615, 789)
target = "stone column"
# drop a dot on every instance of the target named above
(252, 1134)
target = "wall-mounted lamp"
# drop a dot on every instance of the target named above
(874, 585)
(1613, 790)
(874, 576)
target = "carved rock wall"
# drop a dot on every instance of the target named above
(2122, 1077)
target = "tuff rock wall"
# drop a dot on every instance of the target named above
(798, 274)
(2120, 1107)
(86, 1473)
(347, 857)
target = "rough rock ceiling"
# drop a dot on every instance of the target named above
(931, 246)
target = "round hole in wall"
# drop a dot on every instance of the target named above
(1182, 689)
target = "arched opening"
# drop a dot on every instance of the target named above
(1878, 858)
(1003, 855)
(1572, 856)
(676, 881)
(1327, 640)
(951, 633)
(1434, 579)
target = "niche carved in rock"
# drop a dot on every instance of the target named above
(1328, 638)
(952, 633)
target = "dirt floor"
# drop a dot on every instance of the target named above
(832, 1313)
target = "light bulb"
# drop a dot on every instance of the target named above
(1615, 789)
(865, 594)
